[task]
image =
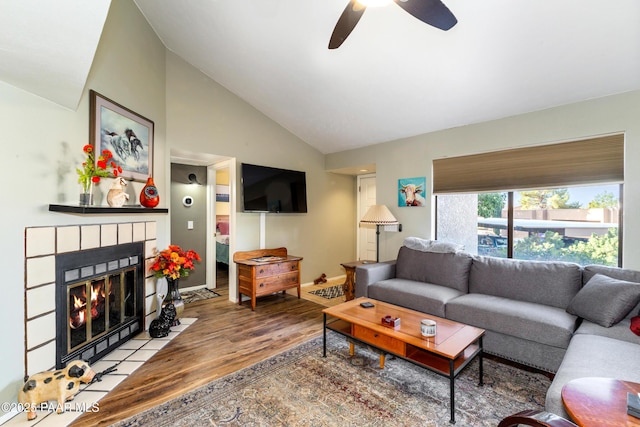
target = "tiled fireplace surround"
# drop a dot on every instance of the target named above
(42, 244)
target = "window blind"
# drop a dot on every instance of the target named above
(583, 162)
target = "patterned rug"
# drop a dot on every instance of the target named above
(301, 388)
(329, 292)
(198, 295)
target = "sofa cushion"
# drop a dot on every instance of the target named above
(593, 356)
(619, 331)
(420, 296)
(445, 269)
(605, 300)
(544, 282)
(617, 273)
(530, 321)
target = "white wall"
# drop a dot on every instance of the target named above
(42, 145)
(203, 117)
(413, 156)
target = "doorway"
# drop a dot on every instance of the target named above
(222, 223)
(211, 164)
(366, 232)
(188, 218)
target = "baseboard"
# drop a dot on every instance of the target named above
(194, 288)
(6, 417)
(343, 276)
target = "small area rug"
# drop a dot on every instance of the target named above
(301, 388)
(329, 292)
(198, 295)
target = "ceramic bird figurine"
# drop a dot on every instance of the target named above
(116, 197)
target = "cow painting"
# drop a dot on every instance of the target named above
(411, 192)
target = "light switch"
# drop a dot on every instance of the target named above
(189, 225)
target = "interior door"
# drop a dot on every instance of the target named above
(366, 233)
(221, 221)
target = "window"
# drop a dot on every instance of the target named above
(575, 224)
(547, 202)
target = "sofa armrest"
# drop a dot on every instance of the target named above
(368, 274)
(535, 418)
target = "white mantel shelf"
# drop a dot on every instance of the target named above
(106, 210)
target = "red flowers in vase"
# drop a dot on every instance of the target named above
(92, 170)
(174, 262)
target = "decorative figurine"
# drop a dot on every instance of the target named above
(160, 327)
(149, 197)
(116, 197)
(61, 385)
(321, 279)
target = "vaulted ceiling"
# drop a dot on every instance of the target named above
(47, 47)
(393, 77)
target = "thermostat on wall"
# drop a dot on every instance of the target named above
(187, 201)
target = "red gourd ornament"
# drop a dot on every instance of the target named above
(149, 197)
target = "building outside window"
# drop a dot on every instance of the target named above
(575, 224)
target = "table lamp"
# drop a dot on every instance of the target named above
(378, 215)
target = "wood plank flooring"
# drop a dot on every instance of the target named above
(225, 338)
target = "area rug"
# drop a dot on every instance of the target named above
(198, 295)
(329, 292)
(301, 388)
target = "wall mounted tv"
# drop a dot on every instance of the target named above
(267, 189)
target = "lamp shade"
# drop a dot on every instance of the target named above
(379, 215)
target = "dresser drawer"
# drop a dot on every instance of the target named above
(379, 340)
(269, 285)
(277, 268)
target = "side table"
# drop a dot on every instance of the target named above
(349, 286)
(597, 402)
(266, 271)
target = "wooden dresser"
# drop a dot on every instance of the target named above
(266, 271)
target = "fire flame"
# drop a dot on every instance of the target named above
(78, 316)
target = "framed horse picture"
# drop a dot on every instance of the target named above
(128, 136)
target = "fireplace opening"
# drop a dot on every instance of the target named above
(99, 301)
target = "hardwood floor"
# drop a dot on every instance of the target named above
(225, 338)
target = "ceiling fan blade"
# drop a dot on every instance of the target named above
(433, 12)
(347, 22)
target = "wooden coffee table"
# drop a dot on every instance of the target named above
(453, 347)
(597, 402)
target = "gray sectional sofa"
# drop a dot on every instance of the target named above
(559, 317)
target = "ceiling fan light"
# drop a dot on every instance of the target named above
(375, 3)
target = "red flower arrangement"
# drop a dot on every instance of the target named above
(174, 263)
(93, 170)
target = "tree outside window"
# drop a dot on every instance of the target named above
(548, 224)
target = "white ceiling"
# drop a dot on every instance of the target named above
(47, 47)
(393, 77)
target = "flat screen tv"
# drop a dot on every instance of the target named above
(267, 189)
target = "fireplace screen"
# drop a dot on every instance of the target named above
(99, 301)
(99, 305)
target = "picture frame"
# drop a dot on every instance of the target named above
(127, 134)
(222, 193)
(411, 191)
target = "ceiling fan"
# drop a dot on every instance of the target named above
(432, 12)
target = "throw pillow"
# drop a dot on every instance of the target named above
(424, 245)
(635, 325)
(604, 300)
